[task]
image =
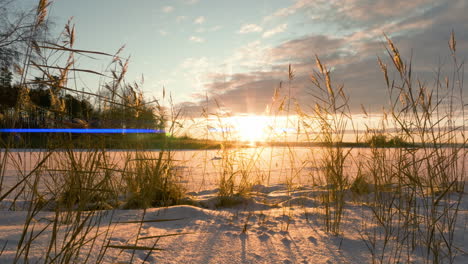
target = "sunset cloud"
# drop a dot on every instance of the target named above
(196, 39)
(419, 29)
(298, 5)
(250, 28)
(279, 29)
(199, 20)
(249, 51)
(168, 9)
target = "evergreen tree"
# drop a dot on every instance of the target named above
(6, 77)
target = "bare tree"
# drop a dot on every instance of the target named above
(18, 28)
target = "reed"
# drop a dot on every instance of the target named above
(413, 184)
(79, 187)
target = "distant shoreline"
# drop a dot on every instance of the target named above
(156, 143)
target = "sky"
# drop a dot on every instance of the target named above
(236, 53)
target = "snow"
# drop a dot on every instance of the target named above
(274, 224)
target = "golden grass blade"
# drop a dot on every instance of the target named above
(54, 46)
(32, 172)
(66, 69)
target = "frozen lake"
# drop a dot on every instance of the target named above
(201, 169)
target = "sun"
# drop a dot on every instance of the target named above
(251, 128)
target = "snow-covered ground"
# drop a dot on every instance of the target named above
(276, 224)
(282, 220)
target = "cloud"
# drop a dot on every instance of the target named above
(279, 29)
(420, 30)
(298, 5)
(196, 39)
(199, 20)
(304, 48)
(363, 10)
(168, 9)
(249, 57)
(250, 28)
(195, 69)
(356, 13)
(196, 63)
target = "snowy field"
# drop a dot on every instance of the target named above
(282, 220)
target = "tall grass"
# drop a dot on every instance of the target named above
(332, 117)
(236, 169)
(419, 188)
(413, 184)
(73, 184)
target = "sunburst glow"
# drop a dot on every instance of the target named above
(251, 128)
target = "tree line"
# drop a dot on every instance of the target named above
(35, 96)
(39, 106)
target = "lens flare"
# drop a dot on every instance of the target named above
(82, 130)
